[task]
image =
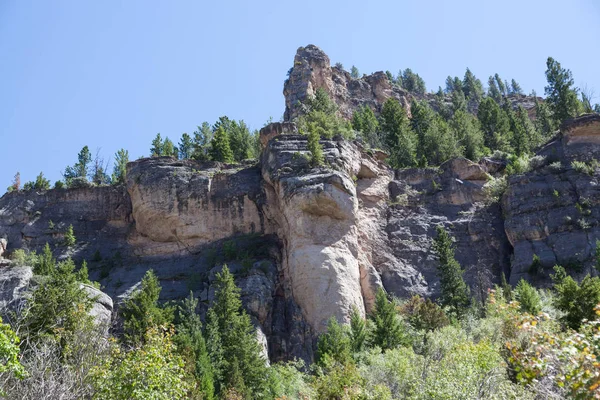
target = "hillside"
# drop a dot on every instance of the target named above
(307, 241)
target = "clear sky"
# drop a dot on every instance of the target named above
(111, 74)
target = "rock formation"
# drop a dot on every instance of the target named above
(307, 243)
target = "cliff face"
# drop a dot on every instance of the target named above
(309, 243)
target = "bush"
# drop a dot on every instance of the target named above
(70, 239)
(424, 314)
(528, 297)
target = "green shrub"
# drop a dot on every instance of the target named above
(528, 297)
(69, 238)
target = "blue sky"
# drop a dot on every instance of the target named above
(111, 74)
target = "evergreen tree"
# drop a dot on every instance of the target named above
(169, 149)
(192, 346)
(493, 90)
(472, 87)
(454, 290)
(390, 77)
(466, 130)
(334, 344)
(157, 146)
(238, 339)
(528, 297)
(41, 183)
(45, 263)
(495, 125)
(220, 149)
(515, 88)
(120, 166)
(576, 300)
(202, 137)
(315, 148)
(80, 169)
(358, 330)
(354, 72)
(501, 86)
(420, 122)
(185, 146)
(397, 134)
(561, 95)
(399, 81)
(57, 309)
(240, 140)
(321, 117)
(413, 82)
(364, 121)
(214, 347)
(142, 312)
(440, 143)
(69, 238)
(389, 331)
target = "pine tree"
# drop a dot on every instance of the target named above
(494, 124)
(515, 88)
(169, 148)
(561, 95)
(192, 346)
(420, 122)
(501, 86)
(141, 311)
(358, 330)
(354, 72)
(157, 146)
(389, 331)
(334, 345)
(69, 238)
(185, 146)
(467, 132)
(454, 290)
(413, 82)
(238, 339)
(528, 297)
(315, 148)
(398, 136)
(472, 87)
(576, 300)
(45, 263)
(240, 140)
(120, 166)
(544, 122)
(220, 149)
(440, 143)
(202, 137)
(364, 121)
(493, 90)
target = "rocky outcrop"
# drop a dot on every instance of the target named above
(552, 212)
(312, 70)
(307, 243)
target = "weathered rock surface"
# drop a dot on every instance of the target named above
(312, 70)
(306, 243)
(552, 212)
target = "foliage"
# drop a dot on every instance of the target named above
(354, 72)
(468, 134)
(9, 353)
(185, 146)
(528, 298)
(560, 91)
(358, 330)
(120, 166)
(364, 121)
(321, 118)
(334, 346)
(45, 262)
(424, 314)
(413, 82)
(151, 371)
(495, 124)
(80, 169)
(454, 290)
(69, 238)
(389, 330)
(141, 310)
(315, 147)
(576, 300)
(57, 309)
(238, 360)
(191, 346)
(220, 150)
(397, 134)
